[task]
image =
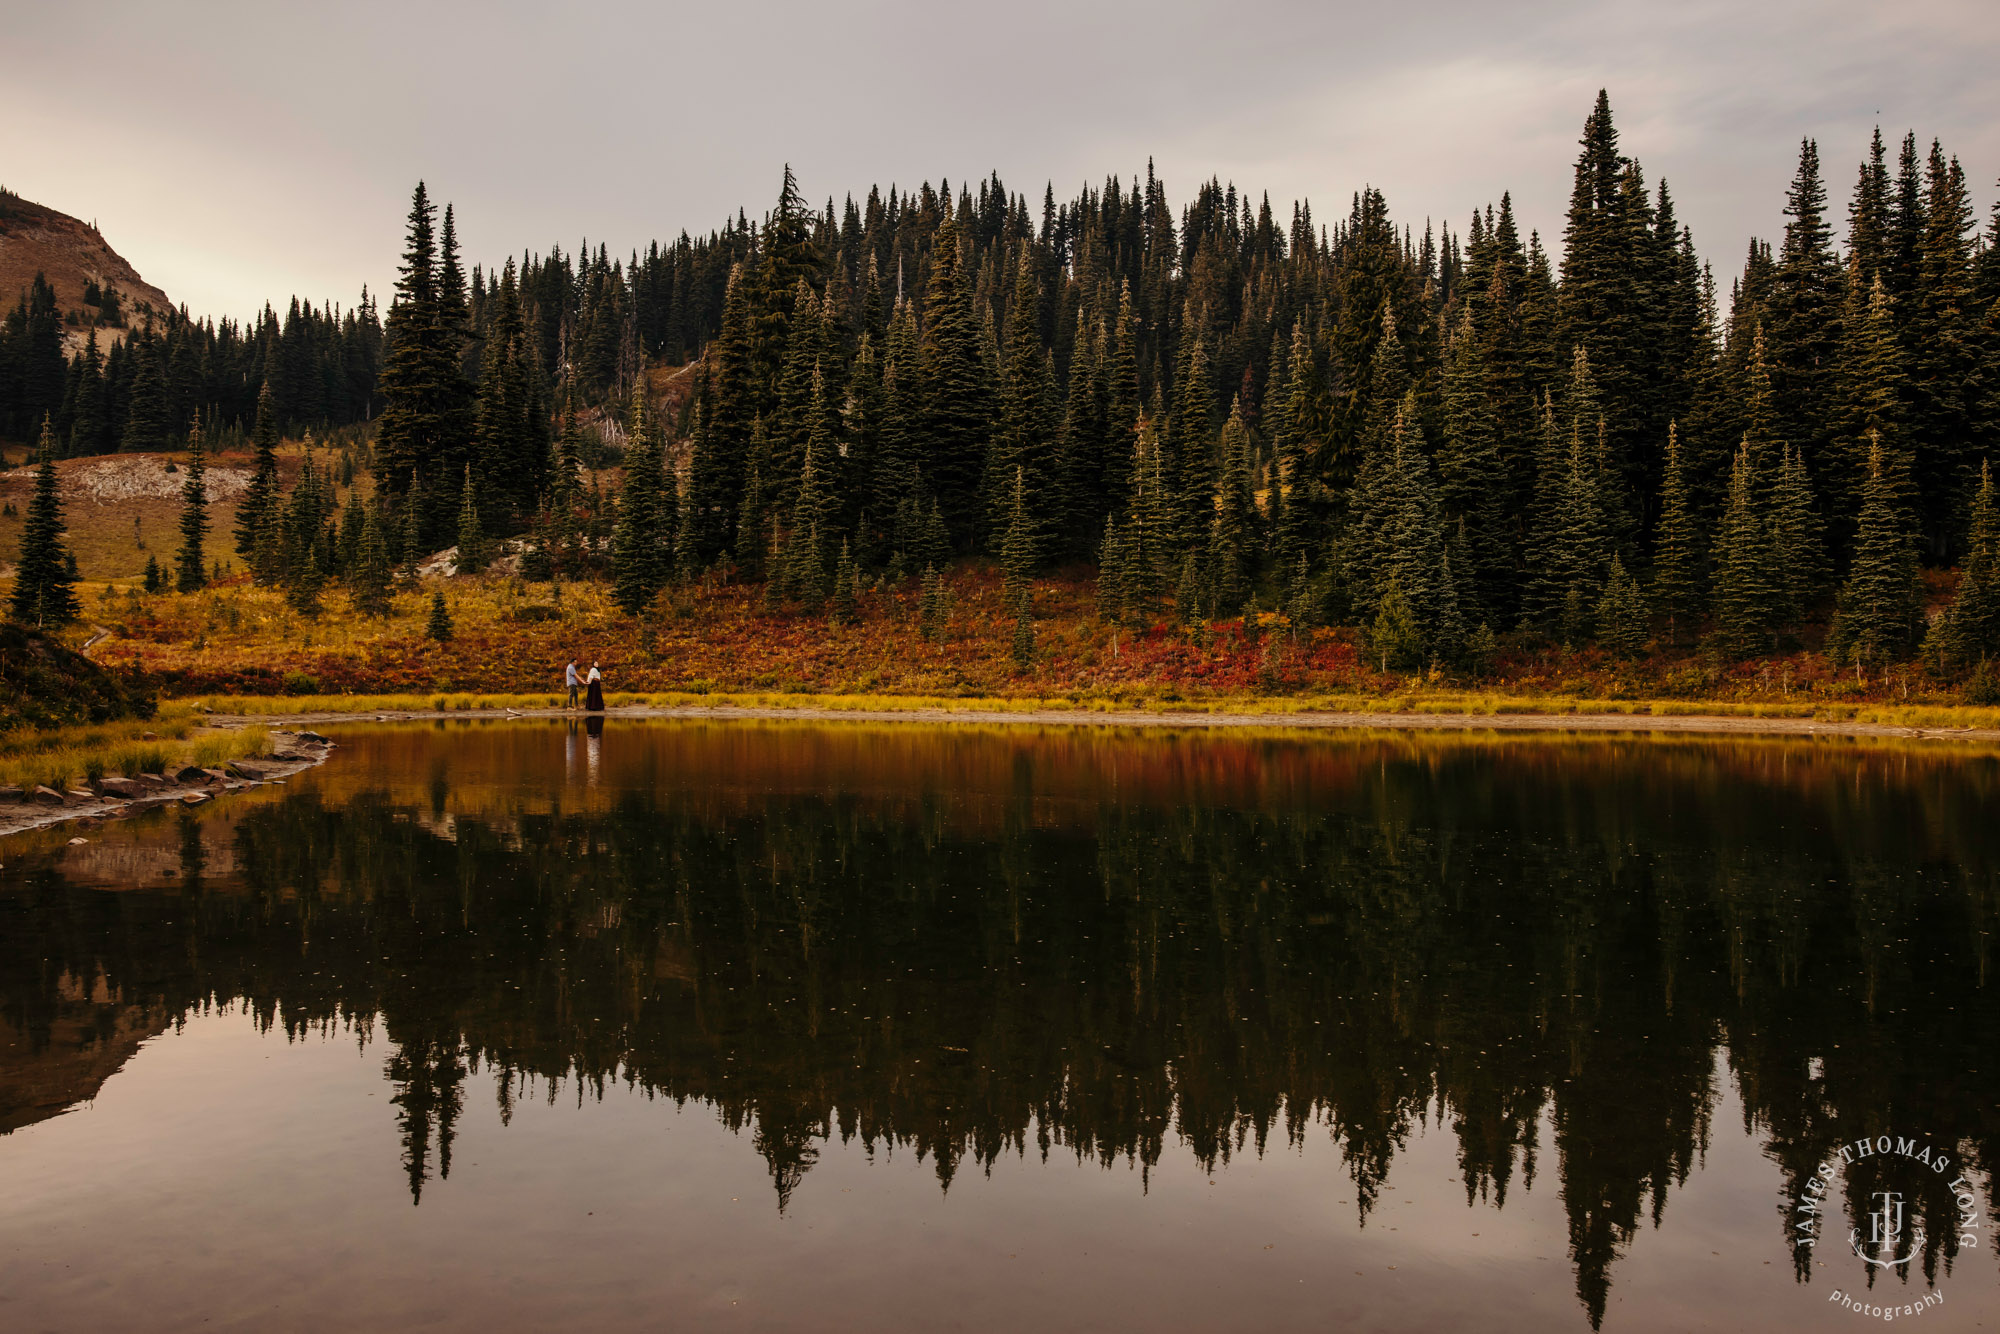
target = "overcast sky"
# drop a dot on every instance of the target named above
(236, 152)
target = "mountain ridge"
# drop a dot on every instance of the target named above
(72, 255)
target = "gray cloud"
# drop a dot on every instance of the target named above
(238, 151)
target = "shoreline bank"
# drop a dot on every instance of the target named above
(297, 752)
(1361, 720)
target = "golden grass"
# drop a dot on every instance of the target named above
(64, 756)
(112, 538)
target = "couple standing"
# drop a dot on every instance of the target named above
(594, 697)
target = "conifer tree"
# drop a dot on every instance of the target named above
(90, 424)
(146, 415)
(1805, 305)
(1111, 575)
(43, 585)
(1676, 550)
(1742, 596)
(957, 391)
(933, 606)
(412, 539)
(513, 429)
(1871, 392)
(353, 520)
(1602, 297)
(1878, 604)
(1798, 548)
(439, 626)
(1297, 415)
(1190, 606)
(1575, 547)
(370, 577)
(753, 526)
(1969, 630)
(1079, 436)
(1943, 379)
(815, 514)
(1621, 614)
(156, 578)
(1395, 637)
(845, 581)
(193, 575)
(932, 544)
(1234, 540)
(1024, 444)
(304, 578)
(426, 420)
(687, 546)
(1024, 631)
(1017, 544)
(472, 552)
(1472, 479)
(638, 555)
(258, 510)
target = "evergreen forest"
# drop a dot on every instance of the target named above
(1442, 439)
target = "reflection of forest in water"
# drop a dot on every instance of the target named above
(1116, 947)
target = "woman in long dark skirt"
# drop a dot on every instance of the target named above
(593, 699)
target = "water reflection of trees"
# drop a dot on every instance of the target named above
(1503, 938)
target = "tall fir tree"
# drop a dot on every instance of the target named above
(439, 626)
(957, 393)
(1742, 596)
(1473, 486)
(1676, 549)
(638, 553)
(1878, 603)
(1798, 544)
(1236, 536)
(44, 592)
(1970, 628)
(473, 552)
(193, 561)
(257, 511)
(370, 576)
(1804, 314)
(425, 428)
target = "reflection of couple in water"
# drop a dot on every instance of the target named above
(594, 696)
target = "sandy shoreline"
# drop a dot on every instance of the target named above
(1443, 722)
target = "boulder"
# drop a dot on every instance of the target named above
(12, 793)
(153, 780)
(46, 796)
(214, 776)
(80, 794)
(190, 774)
(111, 785)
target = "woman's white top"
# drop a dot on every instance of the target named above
(593, 675)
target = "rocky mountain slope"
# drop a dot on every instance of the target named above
(72, 255)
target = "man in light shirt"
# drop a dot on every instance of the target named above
(570, 680)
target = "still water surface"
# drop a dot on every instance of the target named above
(840, 1026)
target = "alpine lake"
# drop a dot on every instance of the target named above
(806, 1025)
